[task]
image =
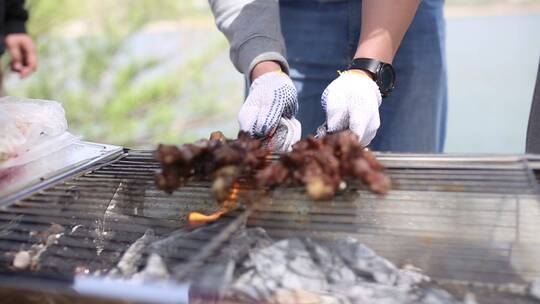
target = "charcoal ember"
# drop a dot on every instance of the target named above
(336, 271)
(154, 270)
(218, 158)
(244, 242)
(365, 263)
(210, 283)
(284, 265)
(323, 164)
(132, 257)
(212, 280)
(306, 270)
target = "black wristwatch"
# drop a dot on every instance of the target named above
(382, 73)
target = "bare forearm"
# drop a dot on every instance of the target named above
(384, 23)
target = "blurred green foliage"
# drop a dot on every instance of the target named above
(112, 96)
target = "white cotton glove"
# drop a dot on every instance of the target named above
(269, 111)
(352, 102)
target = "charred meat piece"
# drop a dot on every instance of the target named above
(218, 158)
(273, 175)
(322, 165)
(217, 135)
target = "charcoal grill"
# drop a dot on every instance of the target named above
(469, 222)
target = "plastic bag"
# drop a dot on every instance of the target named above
(30, 129)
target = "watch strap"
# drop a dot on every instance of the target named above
(366, 64)
(376, 69)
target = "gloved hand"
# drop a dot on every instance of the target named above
(352, 102)
(269, 111)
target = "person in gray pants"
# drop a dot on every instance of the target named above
(290, 52)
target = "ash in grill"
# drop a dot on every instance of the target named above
(253, 268)
(464, 222)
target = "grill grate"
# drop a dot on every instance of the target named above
(469, 219)
(102, 213)
(459, 218)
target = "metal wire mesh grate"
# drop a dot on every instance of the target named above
(473, 219)
(470, 219)
(101, 213)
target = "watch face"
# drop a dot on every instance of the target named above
(386, 78)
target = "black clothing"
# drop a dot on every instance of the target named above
(533, 131)
(13, 16)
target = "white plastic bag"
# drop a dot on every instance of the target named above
(30, 129)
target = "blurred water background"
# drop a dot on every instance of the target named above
(492, 65)
(139, 72)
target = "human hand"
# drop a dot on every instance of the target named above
(352, 102)
(23, 53)
(269, 111)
